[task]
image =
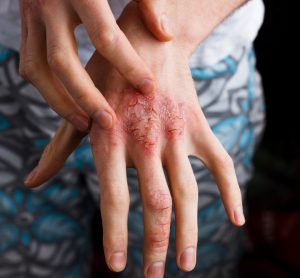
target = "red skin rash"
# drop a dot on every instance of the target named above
(146, 119)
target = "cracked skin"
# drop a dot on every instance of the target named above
(146, 119)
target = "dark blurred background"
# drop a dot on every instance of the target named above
(273, 228)
(272, 238)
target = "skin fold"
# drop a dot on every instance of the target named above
(151, 133)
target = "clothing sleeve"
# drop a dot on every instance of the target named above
(239, 29)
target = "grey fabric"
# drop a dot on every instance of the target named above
(46, 232)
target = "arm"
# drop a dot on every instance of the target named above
(190, 21)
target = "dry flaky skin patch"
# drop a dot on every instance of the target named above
(147, 118)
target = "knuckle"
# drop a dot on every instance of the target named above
(115, 200)
(106, 41)
(159, 237)
(57, 58)
(224, 161)
(159, 200)
(112, 241)
(189, 234)
(80, 98)
(158, 243)
(192, 232)
(30, 69)
(110, 140)
(187, 192)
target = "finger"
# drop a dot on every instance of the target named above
(39, 73)
(155, 17)
(157, 207)
(218, 161)
(185, 195)
(111, 42)
(64, 61)
(64, 142)
(110, 161)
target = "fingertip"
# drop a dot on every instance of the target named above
(156, 270)
(147, 86)
(105, 119)
(117, 261)
(188, 259)
(156, 21)
(32, 185)
(239, 218)
(29, 180)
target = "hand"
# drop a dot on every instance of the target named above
(48, 56)
(151, 132)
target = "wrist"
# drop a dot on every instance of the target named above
(194, 20)
(142, 39)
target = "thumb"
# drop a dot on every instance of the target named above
(155, 17)
(66, 139)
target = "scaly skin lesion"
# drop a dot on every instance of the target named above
(149, 119)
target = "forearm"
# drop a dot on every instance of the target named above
(194, 20)
(190, 22)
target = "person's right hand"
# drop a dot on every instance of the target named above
(49, 59)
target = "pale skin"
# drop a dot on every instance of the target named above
(49, 59)
(175, 128)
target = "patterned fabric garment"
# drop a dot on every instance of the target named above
(46, 232)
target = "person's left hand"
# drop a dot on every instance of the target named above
(49, 57)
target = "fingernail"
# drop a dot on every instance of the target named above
(239, 216)
(147, 86)
(31, 176)
(156, 270)
(165, 24)
(117, 261)
(188, 259)
(82, 123)
(104, 118)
